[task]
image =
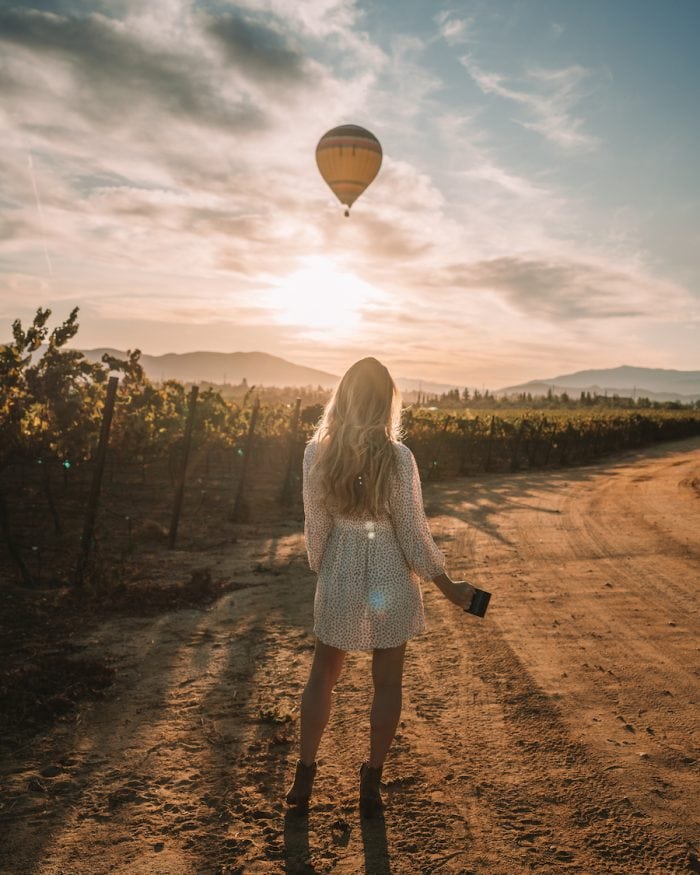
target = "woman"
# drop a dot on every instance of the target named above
(368, 539)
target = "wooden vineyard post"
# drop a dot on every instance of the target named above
(437, 447)
(489, 446)
(467, 427)
(239, 512)
(534, 443)
(286, 494)
(551, 434)
(514, 459)
(11, 544)
(94, 497)
(180, 491)
(565, 443)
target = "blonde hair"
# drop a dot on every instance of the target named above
(356, 435)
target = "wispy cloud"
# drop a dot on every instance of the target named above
(453, 29)
(550, 96)
(570, 290)
(263, 50)
(556, 29)
(320, 18)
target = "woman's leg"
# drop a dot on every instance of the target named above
(316, 698)
(387, 675)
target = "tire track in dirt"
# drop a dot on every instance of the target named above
(539, 786)
(556, 598)
(649, 644)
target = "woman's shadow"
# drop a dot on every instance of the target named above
(297, 853)
(375, 846)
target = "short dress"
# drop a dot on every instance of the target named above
(368, 592)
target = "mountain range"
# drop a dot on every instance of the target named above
(658, 384)
(263, 369)
(257, 368)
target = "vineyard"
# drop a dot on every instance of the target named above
(175, 461)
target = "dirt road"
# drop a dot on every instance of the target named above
(558, 735)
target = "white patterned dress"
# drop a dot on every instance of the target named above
(368, 591)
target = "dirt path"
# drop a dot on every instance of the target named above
(559, 735)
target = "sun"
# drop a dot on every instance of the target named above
(322, 298)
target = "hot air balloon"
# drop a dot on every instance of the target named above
(349, 157)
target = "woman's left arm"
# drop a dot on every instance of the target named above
(318, 522)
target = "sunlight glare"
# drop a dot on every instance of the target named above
(320, 296)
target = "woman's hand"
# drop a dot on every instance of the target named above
(459, 592)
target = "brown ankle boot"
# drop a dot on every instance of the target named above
(370, 797)
(300, 792)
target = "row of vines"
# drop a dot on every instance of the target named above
(244, 460)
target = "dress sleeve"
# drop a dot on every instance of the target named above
(318, 522)
(410, 523)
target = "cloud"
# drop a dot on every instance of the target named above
(454, 30)
(182, 308)
(115, 73)
(556, 29)
(406, 89)
(320, 18)
(16, 226)
(331, 24)
(487, 171)
(20, 285)
(569, 290)
(550, 97)
(263, 50)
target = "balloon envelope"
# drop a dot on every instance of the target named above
(349, 157)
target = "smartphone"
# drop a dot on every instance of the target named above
(479, 603)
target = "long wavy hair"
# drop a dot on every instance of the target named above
(356, 434)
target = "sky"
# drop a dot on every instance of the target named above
(537, 210)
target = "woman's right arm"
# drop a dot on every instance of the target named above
(413, 532)
(422, 554)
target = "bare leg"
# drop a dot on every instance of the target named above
(316, 698)
(387, 675)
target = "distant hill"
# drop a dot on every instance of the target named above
(258, 368)
(657, 384)
(413, 384)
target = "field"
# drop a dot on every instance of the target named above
(557, 735)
